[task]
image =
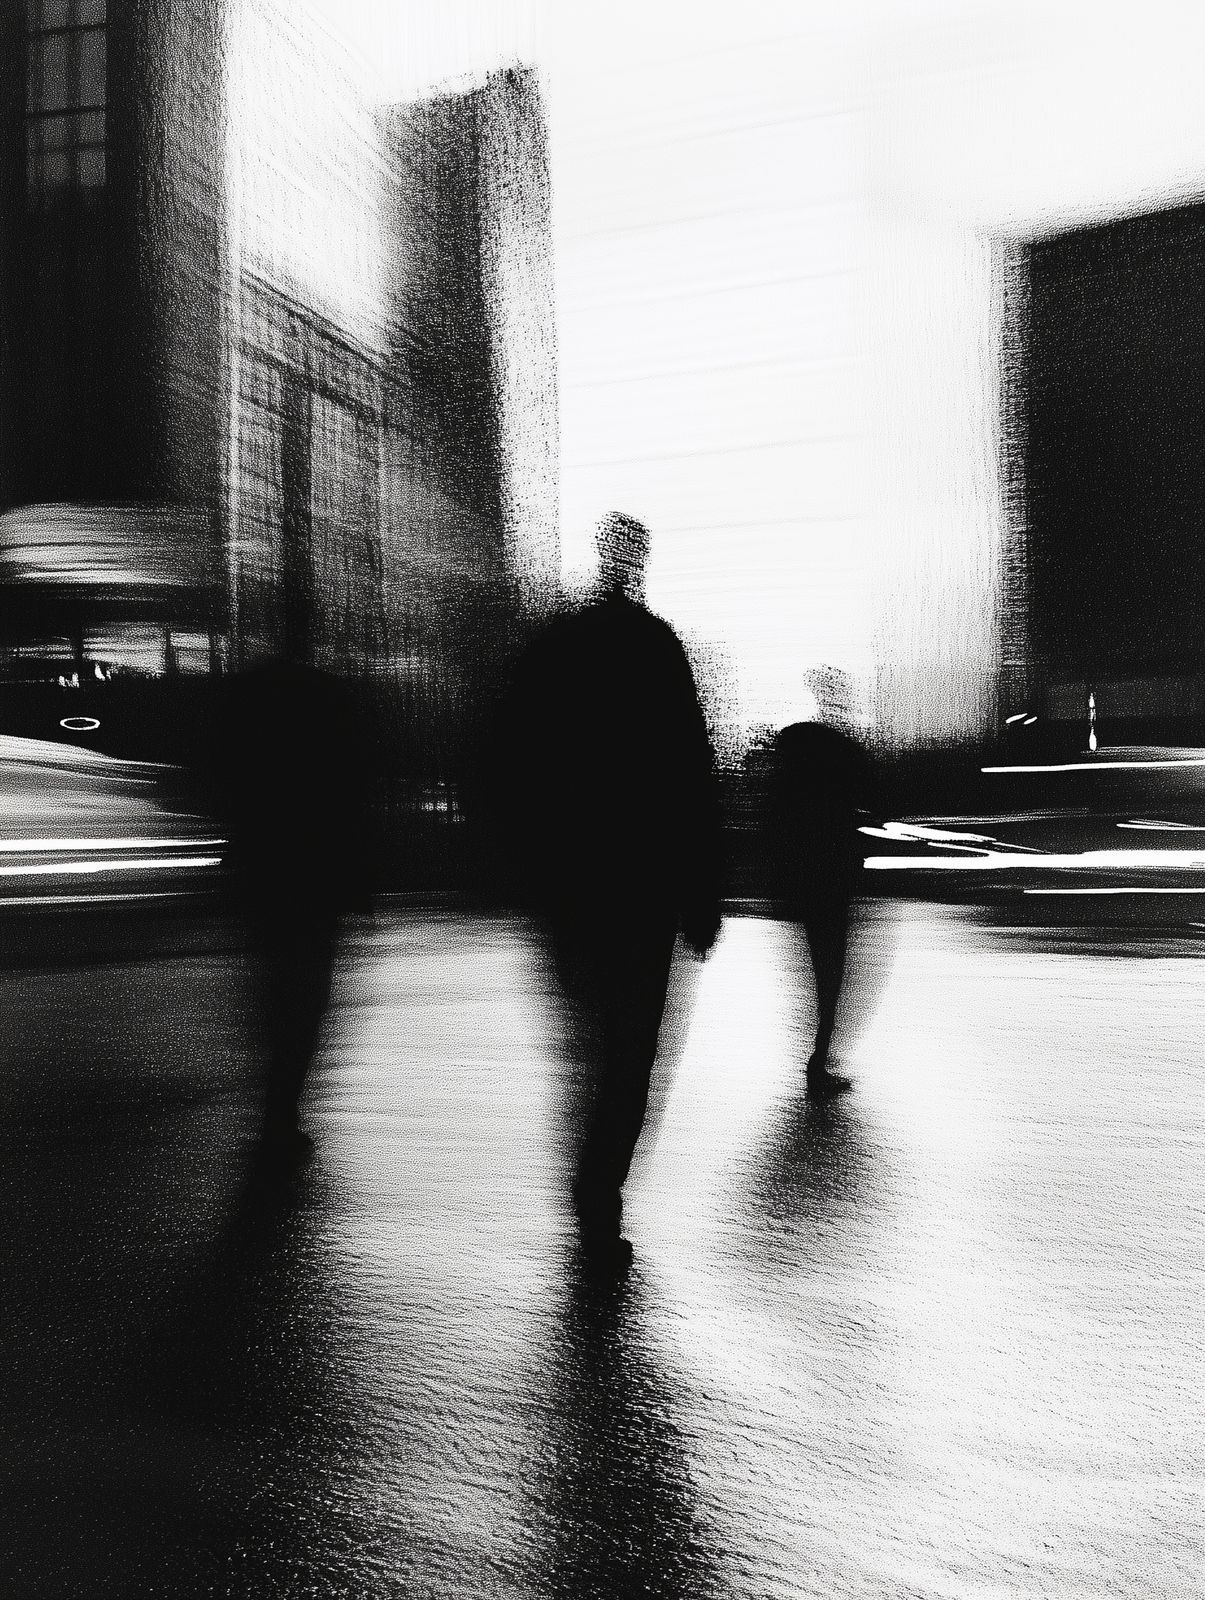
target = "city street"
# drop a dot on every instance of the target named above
(942, 1338)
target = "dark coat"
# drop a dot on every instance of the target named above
(820, 787)
(605, 771)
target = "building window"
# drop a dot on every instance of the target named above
(65, 97)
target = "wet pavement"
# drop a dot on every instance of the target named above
(941, 1338)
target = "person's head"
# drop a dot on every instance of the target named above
(623, 552)
(833, 693)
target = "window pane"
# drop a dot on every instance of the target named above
(56, 173)
(92, 68)
(48, 157)
(55, 132)
(52, 78)
(46, 14)
(33, 79)
(90, 11)
(90, 127)
(91, 169)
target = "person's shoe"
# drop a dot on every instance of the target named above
(823, 1084)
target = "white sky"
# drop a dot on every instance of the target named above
(778, 230)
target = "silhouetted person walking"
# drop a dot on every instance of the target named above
(612, 812)
(291, 774)
(820, 782)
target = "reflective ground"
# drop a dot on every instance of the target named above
(942, 1338)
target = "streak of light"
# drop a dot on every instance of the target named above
(1129, 889)
(1102, 766)
(954, 841)
(37, 846)
(1148, 860)
(922, 830)
(1164, 827)
(10, 902)
(1056, 814)
(140, 864)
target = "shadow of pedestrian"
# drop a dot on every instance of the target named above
(616, 1513)
(812, 1167)
(264, 1375)
(174, 1384)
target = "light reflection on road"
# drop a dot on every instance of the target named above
(941, 1337)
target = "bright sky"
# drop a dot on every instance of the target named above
(780, 229)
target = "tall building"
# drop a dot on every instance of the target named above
(276, 370)
(112, 204)
(1106, 581)
(470, 444)
(111, 363)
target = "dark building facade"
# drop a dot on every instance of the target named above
(469, 446)
(111, 364)
(206, 443)
(1105, 580)
(112, 241)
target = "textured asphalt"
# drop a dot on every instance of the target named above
(943, 1338)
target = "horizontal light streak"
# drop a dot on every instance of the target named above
(1163, 827)
(10, 902)
(66, 869)
(990, 860)
(1102, 766)
(919, 830)
(1129, 889)
(40, 846)
(946, 836)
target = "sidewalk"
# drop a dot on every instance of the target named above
(940, 1340)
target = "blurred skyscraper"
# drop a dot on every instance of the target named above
(1105, 568)
(278, 370)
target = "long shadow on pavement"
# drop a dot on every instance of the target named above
(616, 1510)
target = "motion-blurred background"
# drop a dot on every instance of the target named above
(886, 320)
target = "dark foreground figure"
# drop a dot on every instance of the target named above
(820, 784)
(291, 790)
(612, 812)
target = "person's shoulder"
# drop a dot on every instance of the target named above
(639, 623)
(658, 626)
(552, 636)
(798, 735)
(606, 628)
(817, 742)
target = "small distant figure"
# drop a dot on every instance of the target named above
(291, 789)
(612, 816)
(820, 784)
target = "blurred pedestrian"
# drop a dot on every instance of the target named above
(612, 821)
(291, 790)
(819, 786)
